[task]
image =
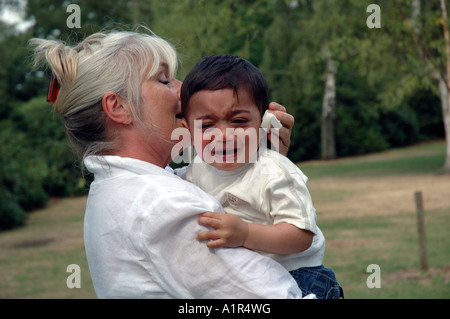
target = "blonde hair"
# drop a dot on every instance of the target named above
(118, 61)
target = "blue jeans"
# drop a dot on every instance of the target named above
(318, 280)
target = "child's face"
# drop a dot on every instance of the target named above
(211, 113)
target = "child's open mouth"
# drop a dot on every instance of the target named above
(225, 155)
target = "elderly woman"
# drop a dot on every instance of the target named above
(119, 99)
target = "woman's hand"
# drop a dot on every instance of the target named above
(229, 230)
(284, 134)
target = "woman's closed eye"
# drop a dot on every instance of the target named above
(164, 79)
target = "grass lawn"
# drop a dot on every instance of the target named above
(365, 208)
(34, 258)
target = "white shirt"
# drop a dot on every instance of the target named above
(139, 231)
(267, 190)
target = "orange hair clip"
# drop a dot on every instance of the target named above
(53, 89)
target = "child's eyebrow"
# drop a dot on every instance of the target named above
(212, 115)
(240, 111)
(237, 111)
(205, 116)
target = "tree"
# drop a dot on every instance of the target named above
(425, 28)
(444, 86)
(329, 108)
(319, 40)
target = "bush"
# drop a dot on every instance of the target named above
(11, 213)
(427, 108)
(36, 162)
(19, 189)
(60, 174)
(400, 126)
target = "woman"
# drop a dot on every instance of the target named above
(119, 99)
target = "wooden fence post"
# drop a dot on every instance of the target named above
(421, 230)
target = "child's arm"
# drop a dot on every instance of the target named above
(231, 231)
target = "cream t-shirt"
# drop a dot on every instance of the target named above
(269, 190)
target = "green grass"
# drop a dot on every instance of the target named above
(34, 258)
(393, 245)
(426, 158)
(388, 238)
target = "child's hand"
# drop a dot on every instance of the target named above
(230, 230)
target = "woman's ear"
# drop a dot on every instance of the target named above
(115, 108)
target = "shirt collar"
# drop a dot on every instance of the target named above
(110, 166)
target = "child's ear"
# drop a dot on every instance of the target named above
(185, 125)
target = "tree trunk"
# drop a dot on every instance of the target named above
(445, 102)
(134, 12)
(444, 81)
(328, 109)
(440, 77)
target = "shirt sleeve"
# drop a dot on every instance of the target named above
(187, 268)
(287, 198)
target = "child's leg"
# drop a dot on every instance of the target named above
(318, 280)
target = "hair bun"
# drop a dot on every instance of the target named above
(61, 59)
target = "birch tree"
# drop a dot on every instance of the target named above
(328, 145)
(336, 28)
(444, 87)
(440, 73)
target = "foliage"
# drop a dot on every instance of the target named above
(385, 95)
(35, 162)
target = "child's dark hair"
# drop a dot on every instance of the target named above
(225, 71)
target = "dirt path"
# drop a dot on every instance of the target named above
(351, 197)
